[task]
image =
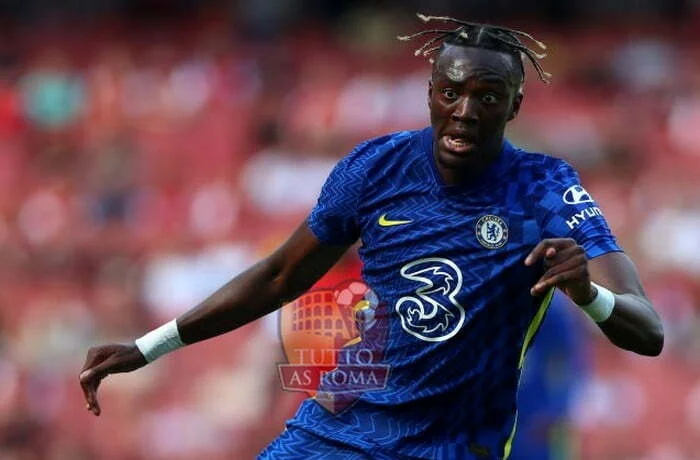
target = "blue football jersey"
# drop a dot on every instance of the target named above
(446, 263)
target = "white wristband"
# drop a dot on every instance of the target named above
(160, 341)
(602, 305)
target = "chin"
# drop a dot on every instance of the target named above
(460, 160)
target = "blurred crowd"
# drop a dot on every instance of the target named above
(141, 168)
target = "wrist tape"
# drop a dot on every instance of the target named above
(602, 305)
(160, 341)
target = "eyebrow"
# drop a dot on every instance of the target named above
(498, 81)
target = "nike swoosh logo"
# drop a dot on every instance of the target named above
(384, 222)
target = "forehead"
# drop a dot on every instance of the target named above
(460, 63)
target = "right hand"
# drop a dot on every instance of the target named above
(105, 360)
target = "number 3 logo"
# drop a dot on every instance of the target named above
(433, 314)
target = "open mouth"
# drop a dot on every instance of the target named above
(456, 144)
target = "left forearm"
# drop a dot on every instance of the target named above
(634, 325)
(627, 319)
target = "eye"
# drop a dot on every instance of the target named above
(450, 94)
(490, 98)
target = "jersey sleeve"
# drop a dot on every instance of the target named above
(568, 211)
(334, 219)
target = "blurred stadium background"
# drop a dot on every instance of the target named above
(149, 150)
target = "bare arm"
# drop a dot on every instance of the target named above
(265, 287)
(281, 277)
(633, 324)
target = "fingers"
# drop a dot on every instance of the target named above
(555, 257)
(94, 370)
(103, 361)
(574, 268)
(548, 248)
(572, 275)
(89, 382)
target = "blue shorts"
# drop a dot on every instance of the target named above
(295, 443)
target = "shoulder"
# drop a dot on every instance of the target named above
(541, 164)
(369, 158)
(381, 149)
(543, 172)
(549, 183)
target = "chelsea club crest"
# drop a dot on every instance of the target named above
(491, 231)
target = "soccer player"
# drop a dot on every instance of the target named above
(464, 239)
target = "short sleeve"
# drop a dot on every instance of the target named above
(567, 210)
(334, 219)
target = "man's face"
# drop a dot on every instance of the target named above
(473, 93)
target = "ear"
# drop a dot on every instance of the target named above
(430, 93)
(517, 101)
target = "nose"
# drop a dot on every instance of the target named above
(465, 111)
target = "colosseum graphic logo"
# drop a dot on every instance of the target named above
(334, 341)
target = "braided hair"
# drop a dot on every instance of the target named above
(478, 35)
